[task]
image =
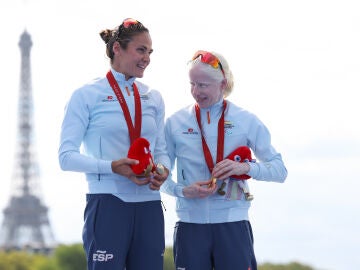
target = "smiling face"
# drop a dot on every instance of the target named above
(204, 88)
(133, 60)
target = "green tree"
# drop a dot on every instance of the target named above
(44, 262)
(23, 260)
(169, 263)
(15, 260)
(289, 266)
(169, 259)
(70, 257)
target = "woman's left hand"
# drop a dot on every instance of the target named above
(225, 168)
(158, 179)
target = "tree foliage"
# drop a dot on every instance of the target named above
(72, 257)
(21, 260)
(168, 259)
(289, 266)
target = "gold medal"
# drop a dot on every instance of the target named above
(221, 191)
(160, 169)
(213, 182)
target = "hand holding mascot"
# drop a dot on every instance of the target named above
(140, 150)
(240, 154)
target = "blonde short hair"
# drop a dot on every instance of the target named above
(216, 73)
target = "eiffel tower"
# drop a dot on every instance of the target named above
(25, 224)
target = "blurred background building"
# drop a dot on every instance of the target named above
(25, 219)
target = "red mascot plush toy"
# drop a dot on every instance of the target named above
(240, 154)
(140, 150)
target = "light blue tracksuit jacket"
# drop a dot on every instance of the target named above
(94, 133)
(184, 146)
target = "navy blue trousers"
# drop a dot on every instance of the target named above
(219, 246)
(119, 235)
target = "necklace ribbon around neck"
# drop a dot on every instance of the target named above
(134, 130)
(220, 138)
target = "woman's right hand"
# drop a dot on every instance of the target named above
(122, 167)
(200, 189)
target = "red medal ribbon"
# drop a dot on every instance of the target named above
(220, 138)
(134, 131)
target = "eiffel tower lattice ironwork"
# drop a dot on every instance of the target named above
(25, 223)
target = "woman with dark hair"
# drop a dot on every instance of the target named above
(123, 218)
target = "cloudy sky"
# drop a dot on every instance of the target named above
(296, 65)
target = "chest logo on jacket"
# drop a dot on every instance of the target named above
(109, 99)
(190, 131)
(144, 97)
(228, 126)
(112, 98)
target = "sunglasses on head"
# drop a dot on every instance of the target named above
(210, 59)
(129, 22)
